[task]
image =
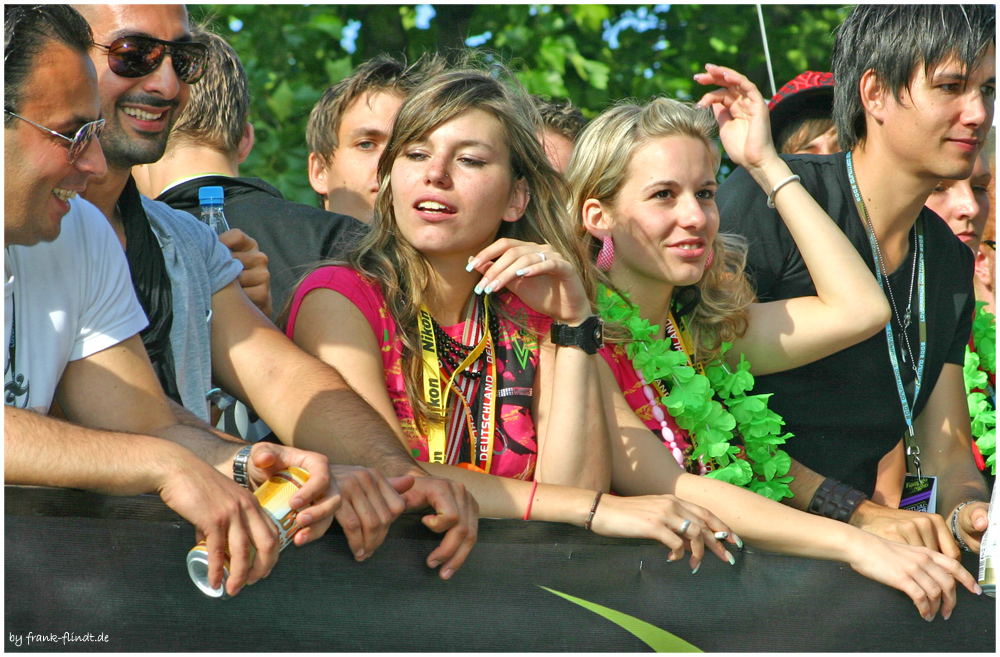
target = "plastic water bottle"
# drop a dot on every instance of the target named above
(211, 200)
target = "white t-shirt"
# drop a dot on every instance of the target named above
(64, 300)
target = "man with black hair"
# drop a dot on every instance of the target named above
(211, 138)
(210, 331)
(71, 324)
(912, 104)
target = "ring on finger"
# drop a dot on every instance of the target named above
(541, 255)
(684, 527)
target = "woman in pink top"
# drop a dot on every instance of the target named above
(643, 179)
(441, 320)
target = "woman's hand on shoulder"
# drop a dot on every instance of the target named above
(744, 120)
(928, 577)
(539, 275)
(661, 517)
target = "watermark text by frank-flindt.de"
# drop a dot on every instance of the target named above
(53, 638)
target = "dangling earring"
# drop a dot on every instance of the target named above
(711, 257)
(606, 257)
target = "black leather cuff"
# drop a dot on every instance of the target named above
(836, 500)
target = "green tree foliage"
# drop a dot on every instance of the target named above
(593, 54)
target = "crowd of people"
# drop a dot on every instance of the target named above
(500, 309)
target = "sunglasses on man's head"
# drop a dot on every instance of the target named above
(77, 143)
(138, 56)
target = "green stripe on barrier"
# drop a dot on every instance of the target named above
(657, 639)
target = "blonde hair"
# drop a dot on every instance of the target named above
(598, 170)
(396, 266)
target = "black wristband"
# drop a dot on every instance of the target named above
(835, 500)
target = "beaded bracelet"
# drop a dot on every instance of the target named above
(593, 509)
(770, 197)
(836, 500)
(954, 528)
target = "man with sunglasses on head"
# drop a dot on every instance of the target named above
(71, 322)
(204, 325)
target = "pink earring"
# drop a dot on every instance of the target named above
(711, 257)
(606, 257)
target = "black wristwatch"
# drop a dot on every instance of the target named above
(588, 336)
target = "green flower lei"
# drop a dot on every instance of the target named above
(691, 403)
(978, 365)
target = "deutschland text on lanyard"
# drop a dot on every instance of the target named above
(879, 266)
(436, 394)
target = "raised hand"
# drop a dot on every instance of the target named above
(744, 121)
(538, 274)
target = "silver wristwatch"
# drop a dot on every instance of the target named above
(240, 475)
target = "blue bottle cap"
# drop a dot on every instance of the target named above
(211, 195)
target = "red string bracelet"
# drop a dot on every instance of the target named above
(531, 499)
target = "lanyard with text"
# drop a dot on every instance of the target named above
(436, 395)
(907, 408)
(680, 337)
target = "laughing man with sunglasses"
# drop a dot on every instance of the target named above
(63, 260)
(203, 327)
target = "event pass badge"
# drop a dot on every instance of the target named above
(919, 494)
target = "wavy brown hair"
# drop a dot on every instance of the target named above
(598, 170)
(396, 266)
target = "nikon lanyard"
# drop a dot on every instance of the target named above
(921, 306)
(437, 396)
(680, 338)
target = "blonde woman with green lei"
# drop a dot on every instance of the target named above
(441, 321)
(643, 179)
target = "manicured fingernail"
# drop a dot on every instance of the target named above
(732, 561)
(478, 289)
(928, 618)
(946, 616)
(473, 263)
(520, 272)
(434, 564)
(721, 535)
(447, 573)
(488, 289)
(979, 590)
(695, 571)
(739, 541)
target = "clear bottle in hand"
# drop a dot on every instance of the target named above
(212, 213)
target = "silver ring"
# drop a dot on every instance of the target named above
(541, 255)
(684, 527)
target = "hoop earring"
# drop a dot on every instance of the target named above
(606, 257)
(711, 257)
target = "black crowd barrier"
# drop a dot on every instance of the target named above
(87, 572)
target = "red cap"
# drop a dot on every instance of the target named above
(810, 92)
